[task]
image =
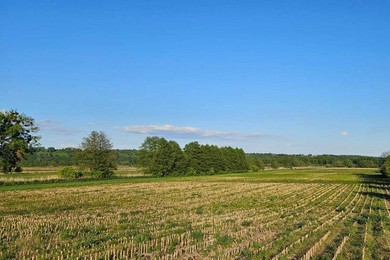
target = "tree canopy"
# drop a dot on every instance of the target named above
(161, 157)
(66, 157)
(96, 154)
(16, 139)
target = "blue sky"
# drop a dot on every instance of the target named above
(267, 76)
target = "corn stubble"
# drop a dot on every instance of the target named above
(206, 217)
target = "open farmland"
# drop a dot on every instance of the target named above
(50, 174)
(285, 214)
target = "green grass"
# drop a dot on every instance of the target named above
(310, 175)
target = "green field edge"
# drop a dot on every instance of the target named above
(272, 176)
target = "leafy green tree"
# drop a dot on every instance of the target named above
(147, 151)
(193, 152)
(16, 139)
(169, 159)
(180, 161)
(231, 158)
(385, 168)
(242, 162)
(96, 154)
(161, 157)
(212, 159)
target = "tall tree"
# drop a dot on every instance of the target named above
(193, 152)
(96, 154)
(161, 157)
(180, 161)
(148, 150)
(16, 139)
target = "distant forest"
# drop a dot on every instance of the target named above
(300, 160)
(256, 161)
(67, 157)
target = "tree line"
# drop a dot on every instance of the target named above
(41, 157)
(162, 157)
(51, 156)
(300, 160)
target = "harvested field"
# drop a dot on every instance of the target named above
(300, 214)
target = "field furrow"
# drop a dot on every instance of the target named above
(194, 218)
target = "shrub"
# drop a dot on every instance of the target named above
(70, 173)
(98, 174)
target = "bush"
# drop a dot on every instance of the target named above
(70, 173)
(98, 174)
(74, 173)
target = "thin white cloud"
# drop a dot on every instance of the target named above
(56, 127)
(171, 129)
(68, 145)
(344, 133)
(186, 132)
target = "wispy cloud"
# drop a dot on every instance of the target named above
(344, 133)
(56, 127)
(68, 145)
(187, 132)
